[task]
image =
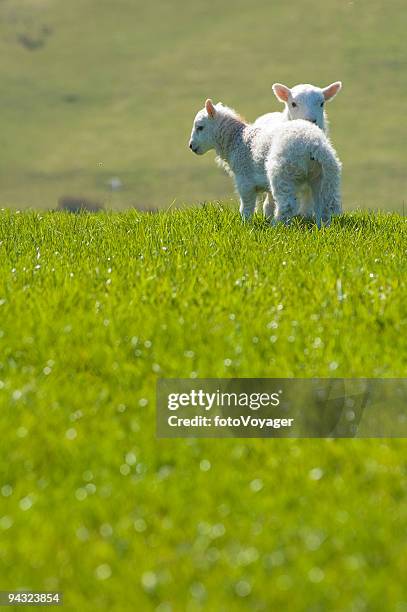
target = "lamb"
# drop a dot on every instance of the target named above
(301, 102)
(278, 159)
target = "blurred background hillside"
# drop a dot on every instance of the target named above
(98, 97)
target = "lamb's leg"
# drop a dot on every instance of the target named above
(306, 199)
(247, 203)
(269, 206)
(336, 200)
(330, 200)
(284, 193)
(316, 194)
(259, 202)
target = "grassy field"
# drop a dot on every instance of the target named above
(96, 89)
(93, 309)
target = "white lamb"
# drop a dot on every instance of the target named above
(301, 102)
(278, 159)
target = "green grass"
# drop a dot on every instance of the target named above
(93, 308)
(114, 88)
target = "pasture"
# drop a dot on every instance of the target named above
(94, 90)
(97, 102)
(93, 309)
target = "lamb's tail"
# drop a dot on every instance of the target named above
(329, 200)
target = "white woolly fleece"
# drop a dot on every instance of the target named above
(277, 159)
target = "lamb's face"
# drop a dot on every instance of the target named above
(306, 102)
(202, 136)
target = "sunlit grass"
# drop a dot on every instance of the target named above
(93, 308)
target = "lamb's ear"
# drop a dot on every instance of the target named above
(210, 109)
(282, 92)
(331, 91)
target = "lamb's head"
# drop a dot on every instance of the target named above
(306, 101)
(203, 130)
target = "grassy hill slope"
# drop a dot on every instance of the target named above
(95, 89)
(93, 309)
